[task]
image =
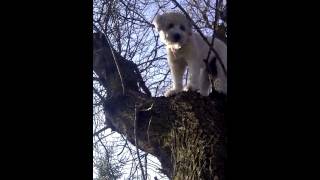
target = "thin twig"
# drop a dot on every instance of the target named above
(138, 14)
(211, 45)
(146, 163)
(117, 65)
(140, 81)
(124, 146)
(98, 132)
(148, 129)
(98, 94)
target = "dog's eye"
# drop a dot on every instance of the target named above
(170, 26)
(182, 28)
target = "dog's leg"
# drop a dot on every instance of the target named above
(204, 82)
(177, 69)
(194, 76)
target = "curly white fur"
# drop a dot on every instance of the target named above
(187, 49)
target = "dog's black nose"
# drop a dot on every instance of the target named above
(176, 37)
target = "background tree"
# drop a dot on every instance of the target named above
(185, 132)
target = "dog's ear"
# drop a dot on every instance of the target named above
(158, 22)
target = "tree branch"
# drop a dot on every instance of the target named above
(186, 122)
(100, 131)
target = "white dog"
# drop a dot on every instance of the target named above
(187, 49)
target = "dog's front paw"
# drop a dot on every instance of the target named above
(171, 92)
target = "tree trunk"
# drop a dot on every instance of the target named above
(185, 132)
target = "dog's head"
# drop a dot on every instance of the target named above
(174, 29)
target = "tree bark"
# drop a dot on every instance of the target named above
(186, 132)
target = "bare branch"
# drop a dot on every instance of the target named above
(117, 65)
(98, 94)
(100, 131)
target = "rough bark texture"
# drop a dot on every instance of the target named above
(186, 132)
